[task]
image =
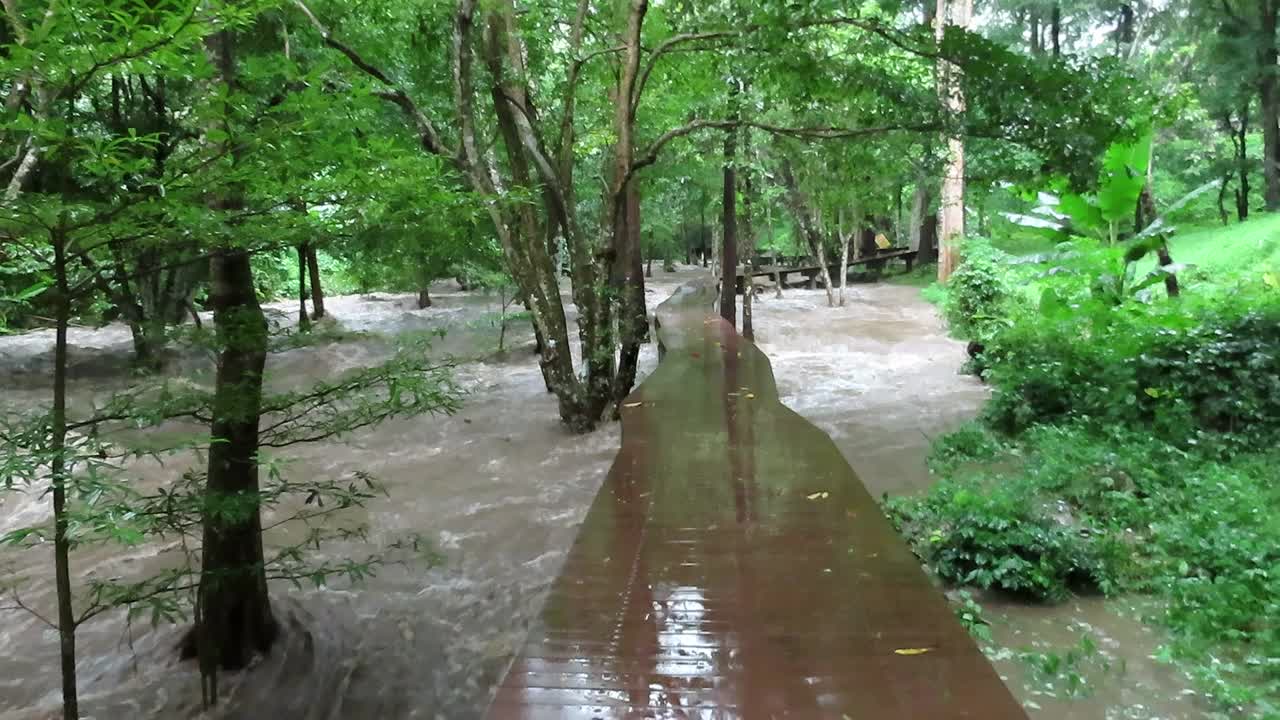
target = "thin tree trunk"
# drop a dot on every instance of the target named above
(58, 480)
(1055, 28)
(304, 320)
(777, 276)
(748, 226)
(808, 227)
(317, 290)
(1036, 49)
(729, 246)
(1242, 163)
(1269, 95)
(845, 236)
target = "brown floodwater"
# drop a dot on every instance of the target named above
(501, 488)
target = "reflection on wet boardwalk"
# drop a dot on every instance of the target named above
(733, 566)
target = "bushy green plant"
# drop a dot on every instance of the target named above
(976, 291)
(1000, 537)
(1180, 369)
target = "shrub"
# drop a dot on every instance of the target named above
(1001, 538)
(977, 291)
(1179, 369)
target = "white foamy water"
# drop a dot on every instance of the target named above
(501, 488)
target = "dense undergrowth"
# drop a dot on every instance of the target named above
(1129, 445)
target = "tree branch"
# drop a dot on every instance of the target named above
(430, 138)
(650, 155)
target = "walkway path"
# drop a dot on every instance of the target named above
(733, 566)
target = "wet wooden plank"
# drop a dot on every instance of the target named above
(733, 566)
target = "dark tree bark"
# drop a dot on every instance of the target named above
(317, 290)
(424, 297)
(1036, 47)
(1124, 28)
(235, 620)
(924, 225)
(233, 612)
(1269, 96)
(729, 246)
(58, 482)
(1055, 29)
(304, 320)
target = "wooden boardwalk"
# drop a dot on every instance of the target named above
(733, 566)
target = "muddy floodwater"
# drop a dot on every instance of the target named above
(501, 489)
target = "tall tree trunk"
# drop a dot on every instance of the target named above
(59, 474)
(1036, 48)
(952, 96)
(924, 225)
(777, 276)
(1242, 163)
(749, 233)
(1055, 28)
(808, 227)
(424, 296)
(729, 246)
(235, 620)
(846, 234)
(233, 611)
(317, 290)
(1269, 96)
(304, 320)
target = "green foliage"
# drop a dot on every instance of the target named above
(1000, 537)
(977, 291)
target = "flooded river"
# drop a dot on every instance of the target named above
(501, 488)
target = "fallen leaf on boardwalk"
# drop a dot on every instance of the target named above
(631, 405)
(751, 396)
(818, 496)
(912, 651)
(695, 355)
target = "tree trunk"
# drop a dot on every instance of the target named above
(1036, 49)
(846, 234)
(59, 473)
(1055, 28)
(1269, 95)
(729, 246)
(233, 611)
(235, 620)
(1242, 163)
(317, 290)
(808, 227)
(304, 320)
(424, 297)
(749, 232)
(951, 231)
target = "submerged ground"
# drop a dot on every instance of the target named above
(501, 488)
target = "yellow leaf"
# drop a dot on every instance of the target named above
(751, 396)
(1271, 279)
(818, 496)
(912, 651)
(1152, 392)
(634, 404)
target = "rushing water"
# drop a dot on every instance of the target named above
(501, 487)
